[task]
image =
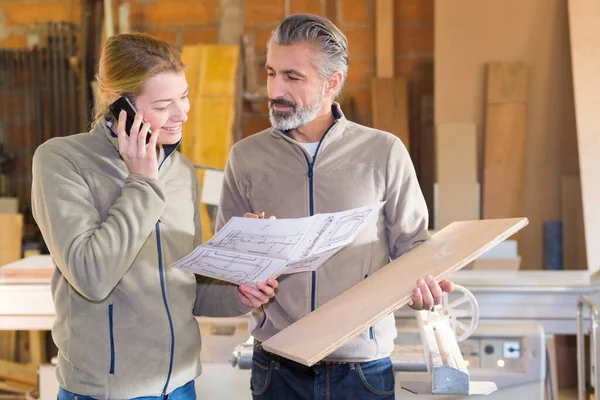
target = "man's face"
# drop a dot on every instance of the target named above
(165, 103)
(294, 86)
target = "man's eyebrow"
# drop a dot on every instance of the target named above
(288, 71)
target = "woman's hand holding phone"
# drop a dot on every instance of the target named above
(140, 158)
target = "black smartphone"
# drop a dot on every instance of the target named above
(123, 103)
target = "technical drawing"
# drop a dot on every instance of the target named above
(344, 229)
(305, 264)
(258, 243)
(227, 266)
(320, 232)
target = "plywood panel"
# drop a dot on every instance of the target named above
(471, 33)
(388, 289)
(213, 72)
(456, 171)
(585, 53)
(11, 235)
(504, 161)
(390, 107)
(574, 251)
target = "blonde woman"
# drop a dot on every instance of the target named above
(115, 212)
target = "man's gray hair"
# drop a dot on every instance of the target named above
(330, 41)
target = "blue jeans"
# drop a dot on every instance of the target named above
(185, 392)
(275, 378)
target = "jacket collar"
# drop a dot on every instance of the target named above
(335, 130)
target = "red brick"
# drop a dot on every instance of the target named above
(182, 12)
(402, 39)
(168, 35)
(261, 37)
(361, 40)
(355, 11)
(264, 12)
(14, 41)
(306, 6)
(422, 39)
(19, 13)
(413, 10)
(197, 36)
(360, 71)
(254, 123)
(361, 96)
(404, 66)
(408, 39)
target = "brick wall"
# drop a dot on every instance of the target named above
(192, 21)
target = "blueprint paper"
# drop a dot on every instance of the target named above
(248, 250)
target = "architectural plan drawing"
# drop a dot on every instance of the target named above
(248, 250)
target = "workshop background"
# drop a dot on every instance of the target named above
(508, 152)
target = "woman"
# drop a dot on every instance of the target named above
(115, 212)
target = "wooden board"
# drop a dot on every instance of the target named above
(503, 177)
(574, 252)
(11, 235)
(585, 55)
(384, 38)
(213, 73)
(468, 34)
(506, 83)
(390, 107)
(388, 289)
(456, 171)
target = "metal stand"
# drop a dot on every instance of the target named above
(589, 303)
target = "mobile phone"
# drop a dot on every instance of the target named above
(123, 103)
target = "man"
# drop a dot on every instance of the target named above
(314, 160)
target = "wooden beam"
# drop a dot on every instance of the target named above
(22, 373)
(390, 288)
(585, 56)
(384, 38)
(231, 21)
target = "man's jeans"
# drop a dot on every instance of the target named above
(274, 377)
(185, 392)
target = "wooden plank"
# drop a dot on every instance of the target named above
(213, 75)
(15, 387)
(384, 38)
(585, 56)
(456, 169)
(7, 345)
(11, 235)
(503, 176)
(390, 107)
(22, 373)
(388, 289)
(574, 252)
(507, 83)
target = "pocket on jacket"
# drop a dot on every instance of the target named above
(260, 376)
(378, 376)
(111, 339)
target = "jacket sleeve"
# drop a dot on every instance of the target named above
(234, 202)
(92, 254)
(214, 298)
(406, 214)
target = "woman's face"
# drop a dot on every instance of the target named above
(165, 104)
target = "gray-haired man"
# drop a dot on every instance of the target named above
(313, 160)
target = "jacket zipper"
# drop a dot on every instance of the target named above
(313, 284)
(112, 340)
(164, 296)
(162, 274)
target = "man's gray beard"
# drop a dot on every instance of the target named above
(301, 116)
